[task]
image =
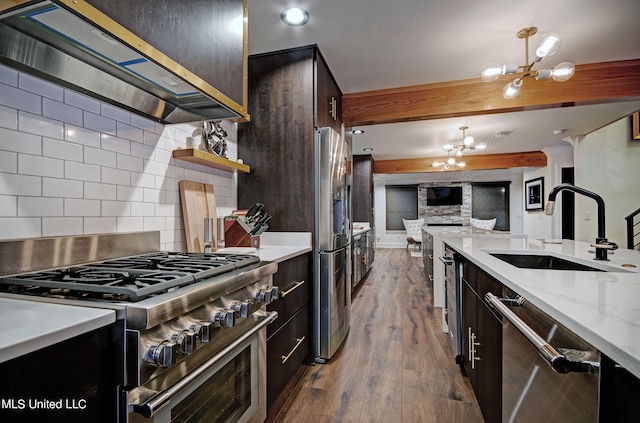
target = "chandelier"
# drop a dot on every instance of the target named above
(457, 149)
(548, 46)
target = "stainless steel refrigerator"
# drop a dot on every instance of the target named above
(332, 243)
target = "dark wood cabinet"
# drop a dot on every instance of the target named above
(289, 336)
(427, 255)
(289, 95)
(482, 341)
(362, 189)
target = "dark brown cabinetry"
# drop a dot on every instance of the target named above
(362, 190)
(289, 96)
(427, 255)
(289, 337)
(482, 341)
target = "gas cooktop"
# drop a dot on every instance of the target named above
(127, 279)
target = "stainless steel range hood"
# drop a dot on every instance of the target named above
(90, 47)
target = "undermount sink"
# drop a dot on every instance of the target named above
(549, 262)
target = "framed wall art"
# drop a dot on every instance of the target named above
(534, 194)
(635, 126)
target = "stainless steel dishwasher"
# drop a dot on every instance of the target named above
(541, 382)
(453, 301)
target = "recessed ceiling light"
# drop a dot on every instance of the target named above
(367, 149)
(559, 131)
(294, 16)
(358, 132)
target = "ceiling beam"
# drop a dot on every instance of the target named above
(594, 83)
(476, 162)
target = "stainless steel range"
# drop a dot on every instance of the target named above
(194, 342)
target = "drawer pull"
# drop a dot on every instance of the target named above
(286, 357)
(288, 291)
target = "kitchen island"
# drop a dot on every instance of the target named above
(599, 306)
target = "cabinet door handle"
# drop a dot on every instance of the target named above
(298, 342)
(288, 291)
(333, 108)
(430, 278)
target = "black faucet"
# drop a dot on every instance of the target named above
(601, 245)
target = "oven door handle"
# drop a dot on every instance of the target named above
(161, 399)
(557, 361)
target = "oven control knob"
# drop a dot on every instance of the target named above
(224, 318)
(202, 330)
(275, 293)
(162, 355)
(186, 341)
(241, 309)
(264, 296)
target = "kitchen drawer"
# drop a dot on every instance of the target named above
(286, 350)
(295, 282)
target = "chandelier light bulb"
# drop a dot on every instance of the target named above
(512, 89)
(461, 164)
(468, 140)
(491, 71)
(548, 45)
(447, 147)
(451, 161)
(563, 72)
(481, 145)
(459, 153)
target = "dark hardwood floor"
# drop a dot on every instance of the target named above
(396, 365)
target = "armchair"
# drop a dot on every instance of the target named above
(414, 232)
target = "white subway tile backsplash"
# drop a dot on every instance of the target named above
(142, 209)
(36, 124)
(115, 113)
(130, 193)
(40, 206)
(8, 205)
(62, 188)
(8, 118)
(79, 135)
(130, 224)
(19, 99)
(100, 157)
(8, 162)
(78, 207)
(81, 101)
(20, 227)
(8, 75)
(154, 223)
(115, 144)
(82, 171)
(99, 191)
(11, 184)
(129, 132)
(40, 86)
(134, 164)
(100, 225)
(60, 111)
(61, 150)
(61, 226)
(20, 142)
(99, 123)
(40, 166)
(116, 177)
(116, 208)
(70, 164)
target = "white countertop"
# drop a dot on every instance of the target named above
(601, 307)
(277, 246)
(27, 326)
(360, 228)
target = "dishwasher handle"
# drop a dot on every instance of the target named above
(557, 361)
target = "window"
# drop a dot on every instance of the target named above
(489, 200)
(402, 202)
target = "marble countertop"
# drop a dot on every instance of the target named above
(27, 326)
(360, 228)
(601, 307)
(277, 246)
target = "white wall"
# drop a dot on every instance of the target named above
(535, 223)
(607, 163)
(71, 165)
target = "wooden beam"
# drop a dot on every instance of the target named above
(594, 83)
(477, 162)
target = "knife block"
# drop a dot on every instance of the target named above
(236, 236)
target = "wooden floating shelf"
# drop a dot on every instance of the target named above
(200, 157)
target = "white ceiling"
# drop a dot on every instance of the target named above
(377, 44)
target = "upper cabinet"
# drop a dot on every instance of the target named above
(362, 190)
(169, 61)
(290, 94)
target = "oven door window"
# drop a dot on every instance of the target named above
(222, 398)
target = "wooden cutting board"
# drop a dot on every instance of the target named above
(198, 201)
